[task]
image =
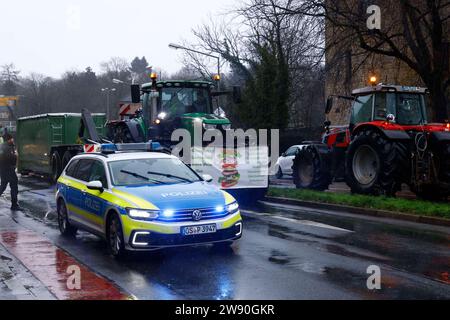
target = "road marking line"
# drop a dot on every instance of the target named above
(313, 224)
(302, 222)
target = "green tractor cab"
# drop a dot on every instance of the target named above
(166, 107)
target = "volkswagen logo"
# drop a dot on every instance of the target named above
(197, 215)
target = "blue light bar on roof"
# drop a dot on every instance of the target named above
(128, 147)
(108, 148)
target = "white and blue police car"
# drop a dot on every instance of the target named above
(141, 200)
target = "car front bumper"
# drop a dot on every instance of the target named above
(139, 235)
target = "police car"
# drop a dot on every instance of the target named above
(143, 201)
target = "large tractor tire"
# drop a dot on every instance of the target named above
(309, 171)
(373, 164)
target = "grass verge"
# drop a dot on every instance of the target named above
(417, 207)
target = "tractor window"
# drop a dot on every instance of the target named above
(362, 109)
(180, 101)
(383, 106)
(409, 107)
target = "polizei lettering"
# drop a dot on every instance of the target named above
(194, 311)
(184, 194)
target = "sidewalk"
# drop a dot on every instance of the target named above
(34, 268)
(17, 282)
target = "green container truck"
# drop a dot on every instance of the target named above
(47, 142)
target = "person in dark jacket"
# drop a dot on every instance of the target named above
(8, 160)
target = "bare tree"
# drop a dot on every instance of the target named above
(246, 38)
(39, 94)
(118, 68)
(413, 31)
(9, 77)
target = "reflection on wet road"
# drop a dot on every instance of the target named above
(286, 253)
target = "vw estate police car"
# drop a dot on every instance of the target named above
(143, 201)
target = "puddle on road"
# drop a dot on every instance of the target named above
(39, 205)
(421, 251)
(279, 258)
(392, 287)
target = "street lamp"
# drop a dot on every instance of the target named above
(117, 81)
(177, 46)
(108, 91)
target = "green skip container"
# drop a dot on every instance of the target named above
(47, 142)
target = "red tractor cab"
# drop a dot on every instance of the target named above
(385, 141)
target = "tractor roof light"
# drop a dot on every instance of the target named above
(153, 76)
(373, 80)
(216, 77)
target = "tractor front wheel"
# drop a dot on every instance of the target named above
(373, 164)
(309, 172)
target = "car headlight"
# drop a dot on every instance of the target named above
(226, 126)
(232, 208)
(143, 214)
(209, 126)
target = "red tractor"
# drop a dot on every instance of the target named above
(387, 142)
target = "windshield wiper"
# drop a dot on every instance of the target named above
(170, 176)
(137, 175)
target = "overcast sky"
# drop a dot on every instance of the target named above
(53, 36)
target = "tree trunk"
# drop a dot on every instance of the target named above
(439, 100)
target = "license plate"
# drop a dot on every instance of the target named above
(194, 230)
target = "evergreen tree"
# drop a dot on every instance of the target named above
(265, 97)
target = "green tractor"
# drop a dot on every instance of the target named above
(168, 106)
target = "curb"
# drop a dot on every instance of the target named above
(363, 211)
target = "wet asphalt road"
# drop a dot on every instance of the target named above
(286, 253)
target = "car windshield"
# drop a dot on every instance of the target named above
(135, 172)
(180, 101)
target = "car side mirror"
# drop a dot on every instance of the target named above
(329, 105)
(207, 178)
(284, 154)
(95, 185)
(135, 93)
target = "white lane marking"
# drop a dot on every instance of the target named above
(313, 224)
(302, 222)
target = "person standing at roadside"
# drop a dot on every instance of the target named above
(8, 161)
